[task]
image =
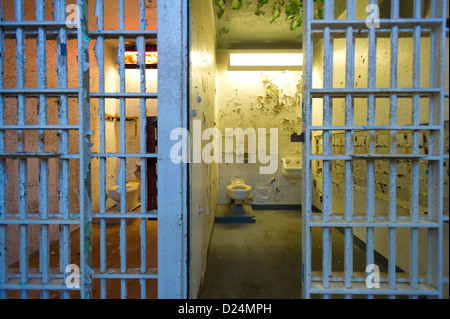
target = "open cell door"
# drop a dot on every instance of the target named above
(374, 152)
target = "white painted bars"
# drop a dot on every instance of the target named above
(306, 148)
(173, 188)
(123, 273)
(44, 255)
(417, 27)
(140, 46)
(327, 150)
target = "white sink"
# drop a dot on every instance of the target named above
(292, 169)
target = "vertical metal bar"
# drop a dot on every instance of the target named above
(172, 86)
(371, 163)
(184, 112)
(348, 255)
(432, 138)
(414, 253)
(351, 9)
(64, 202)
(306, 151)
(349, 120)
(43, 163)
(100, 55)
(122, 173)
(395, 10)
(140, 44)
(328, 122)
(441, 43)
(3, 177)
(441, 81)
(21, 120)
(348, 262)
(84, 150)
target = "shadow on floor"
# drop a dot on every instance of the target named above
(263, 260)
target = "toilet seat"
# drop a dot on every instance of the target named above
(238, 185)
(238, 190)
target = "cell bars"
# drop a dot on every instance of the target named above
(46, 278)
(124, 272)
(359, 181)
(74, 194)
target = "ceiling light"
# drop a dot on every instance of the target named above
(265, 60)
(131, 59)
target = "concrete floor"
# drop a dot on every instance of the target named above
(263, 260)
(245, 261)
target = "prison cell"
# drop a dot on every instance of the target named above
(357, 215)
(67, 163)
(80, 106)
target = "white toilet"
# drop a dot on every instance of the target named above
(133, 191)
(239, 211)
(238, 190)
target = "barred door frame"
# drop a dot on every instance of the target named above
(172, 35)
(324, 282)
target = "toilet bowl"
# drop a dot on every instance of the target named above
(132, 196)
(238, 190)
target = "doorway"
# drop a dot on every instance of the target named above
(363, 192)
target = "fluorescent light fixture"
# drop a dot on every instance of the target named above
(266, 61)
(131, 59)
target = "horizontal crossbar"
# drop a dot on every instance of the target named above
(124, 95)
(319, 222)
(376, 128)
(39, 155)
(360, 24)
(379, 92)
(119, 215)
(357, 288)
(34, 284)
(118, 155)
(40, 221)
(115, 273)
(373, 157)
(39, 127)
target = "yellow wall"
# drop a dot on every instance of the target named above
(260, 99)
(203, 176)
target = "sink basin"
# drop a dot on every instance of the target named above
(292, 169)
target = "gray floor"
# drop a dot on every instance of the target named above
(263, 260)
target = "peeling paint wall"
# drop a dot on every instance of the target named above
(382, 138)
(203, 176)
(256, 99)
